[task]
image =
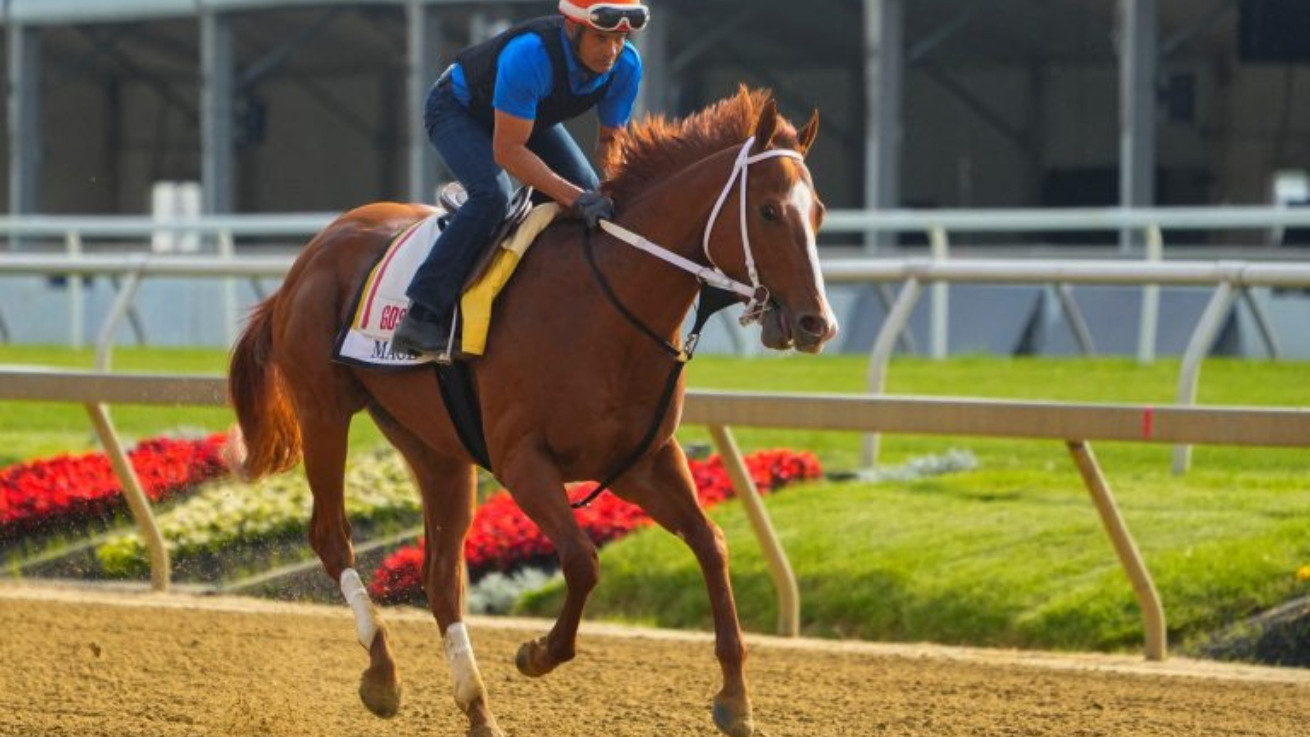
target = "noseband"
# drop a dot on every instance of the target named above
(756, 294)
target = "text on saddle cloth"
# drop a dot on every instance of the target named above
(382, 303)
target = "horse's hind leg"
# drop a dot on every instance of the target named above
(325, 423)
(662, 485)
(448, 487)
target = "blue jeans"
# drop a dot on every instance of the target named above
(464, 145)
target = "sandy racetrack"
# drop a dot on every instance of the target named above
(74, 662)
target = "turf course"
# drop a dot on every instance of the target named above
(1008, 554)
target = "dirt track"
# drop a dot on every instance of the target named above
(78, 663)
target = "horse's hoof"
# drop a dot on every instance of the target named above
(529, 659)
(733, 718)
(486, 730)
(381, 695)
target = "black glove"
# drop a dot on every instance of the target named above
(592, 207)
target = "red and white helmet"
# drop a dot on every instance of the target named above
(607, 15)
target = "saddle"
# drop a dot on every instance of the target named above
(453, 195)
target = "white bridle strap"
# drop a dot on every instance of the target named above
(755, 292)
(704, 273)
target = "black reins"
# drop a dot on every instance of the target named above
(711, 300)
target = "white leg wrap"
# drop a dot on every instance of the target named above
(366, 617)
(463, 668)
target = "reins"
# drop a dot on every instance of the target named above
(717, 291)
(712, 299)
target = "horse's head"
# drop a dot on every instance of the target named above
(776, 253)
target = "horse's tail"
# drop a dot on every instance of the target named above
(267, 438)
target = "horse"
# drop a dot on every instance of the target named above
(568, 383)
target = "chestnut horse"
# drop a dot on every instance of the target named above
(568, 384)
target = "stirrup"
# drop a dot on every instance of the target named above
(442, 357)
(451, 196)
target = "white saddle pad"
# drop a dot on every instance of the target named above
(382, 301)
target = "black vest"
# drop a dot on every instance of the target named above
(480, 63)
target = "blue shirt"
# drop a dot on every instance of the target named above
(524, 77)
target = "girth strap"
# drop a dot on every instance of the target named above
(461, 399)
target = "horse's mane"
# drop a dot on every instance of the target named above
(657, 146)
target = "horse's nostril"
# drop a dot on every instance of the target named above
(813, 325)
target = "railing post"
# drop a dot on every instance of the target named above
(227, 249)
(76, 321)
(1073, 316)
(941, 297)
(883, 346)
(122, 303)
(1148, 599)
(1197, 348)
(137, 501)
(1262, 323)
(789, 598)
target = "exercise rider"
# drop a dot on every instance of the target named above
(497, 112)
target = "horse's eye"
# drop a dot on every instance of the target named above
(770, 212)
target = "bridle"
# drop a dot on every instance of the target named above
(756, 294)
(718, 290)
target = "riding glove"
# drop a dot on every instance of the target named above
(592, 207)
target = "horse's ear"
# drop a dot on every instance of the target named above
(766, 126)
(805, 136)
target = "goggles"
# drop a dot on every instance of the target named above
(604, 17)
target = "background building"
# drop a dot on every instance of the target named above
(309, 105)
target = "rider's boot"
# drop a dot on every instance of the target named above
(423, 332)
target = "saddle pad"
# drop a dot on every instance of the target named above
(381, 302)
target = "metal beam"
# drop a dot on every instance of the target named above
(1138, 50)
(884, 69)
(105, 44)
(26, 142)
(943, 33)
(1179, 38)
(275, 59)
(218, 143)
(977, 106)
(423, 44)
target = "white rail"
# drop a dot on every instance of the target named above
(1068, 219)
(1234, 217)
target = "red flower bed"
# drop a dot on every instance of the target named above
(40, 495)
(502, 538)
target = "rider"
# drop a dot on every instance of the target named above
(498, 111)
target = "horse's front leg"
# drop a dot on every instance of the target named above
(448, 515)
(662, 485)
(535, 484)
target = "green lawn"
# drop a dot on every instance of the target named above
(1011, 553)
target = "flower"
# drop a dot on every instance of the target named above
(67, 489)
